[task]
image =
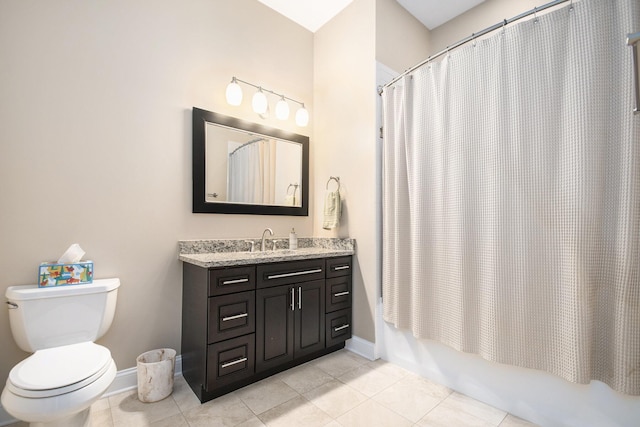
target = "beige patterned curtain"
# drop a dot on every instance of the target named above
(511, 197)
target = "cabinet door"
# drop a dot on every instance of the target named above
(274, 326)
(309, 317)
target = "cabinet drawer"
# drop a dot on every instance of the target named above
(284, 273)
(340, 266)
(229, 280)
(338, 327)
(338, 293)
(230, 361)
(231, 316)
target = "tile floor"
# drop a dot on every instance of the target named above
(340, 389)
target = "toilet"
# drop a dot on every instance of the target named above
(67, 371)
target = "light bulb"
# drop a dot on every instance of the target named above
(259, 102)
(234, 93)
(302, 116)
(282, 109)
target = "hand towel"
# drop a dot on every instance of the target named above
(332, 210)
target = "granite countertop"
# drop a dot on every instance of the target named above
(224, 253)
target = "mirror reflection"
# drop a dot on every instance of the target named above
(248, 168)
(244, 167)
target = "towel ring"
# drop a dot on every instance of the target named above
(295, 189)
(336, 179)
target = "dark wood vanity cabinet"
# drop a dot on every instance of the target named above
(242, 324)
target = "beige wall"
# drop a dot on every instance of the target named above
(344, 93)
(477, 19)
(95, 141)
(401, 40)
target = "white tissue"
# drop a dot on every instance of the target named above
(72, 255)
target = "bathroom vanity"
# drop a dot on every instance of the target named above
(249, 315)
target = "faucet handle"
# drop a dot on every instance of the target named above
(274, 244)
(253, 245)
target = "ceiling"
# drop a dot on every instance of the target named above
(313, 14)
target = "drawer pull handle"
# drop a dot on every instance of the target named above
(339, 328)
(342, 267)
(341, 294)
(233, 282)
(296, 273)
(237, 316)
(299, 298)
(235, 362)
(293, 304)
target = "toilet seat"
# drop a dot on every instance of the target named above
(59, 370)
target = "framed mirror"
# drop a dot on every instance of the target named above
(240, 167)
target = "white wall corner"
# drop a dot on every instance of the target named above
(362, 347)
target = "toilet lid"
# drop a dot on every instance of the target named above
(59, 370)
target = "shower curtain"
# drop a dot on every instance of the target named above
(511, 197)
(251, 173)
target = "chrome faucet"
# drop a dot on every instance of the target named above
(262, 243)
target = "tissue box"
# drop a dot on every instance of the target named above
(54, 274)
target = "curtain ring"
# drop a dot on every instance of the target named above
(535, 14)
(504, 25)
(571, 6)
(473, 37)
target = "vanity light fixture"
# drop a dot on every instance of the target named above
(260, 103)
(234, 93)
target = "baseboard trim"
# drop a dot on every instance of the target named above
(362, 347)
(126, 379)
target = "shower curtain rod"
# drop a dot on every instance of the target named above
(474, 36)
(245, 144)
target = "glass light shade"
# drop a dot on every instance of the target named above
(302, 116)
(259, 102)
(234, 93)
(282, 109)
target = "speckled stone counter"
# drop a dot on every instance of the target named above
(223, 253)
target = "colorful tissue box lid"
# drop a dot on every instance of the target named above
(53, 274)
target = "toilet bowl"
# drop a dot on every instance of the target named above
(67, 371)
(56, 384)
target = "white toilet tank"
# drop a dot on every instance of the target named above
(51, 317)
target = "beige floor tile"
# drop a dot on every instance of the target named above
(442, 416)
(460, 402)
(266, 394)
(388, 368)
(227, 411)
(410, 398)
(335, 398)
(367, 381)
(252, 422)
(513, 421)
(339, 362)
(305, 378)
(371, 413)
(101, 417)
(174, 421)
(184, 397)
(296, 412)
(127, 410)
(100, 404)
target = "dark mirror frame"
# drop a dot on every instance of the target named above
(200, 119)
